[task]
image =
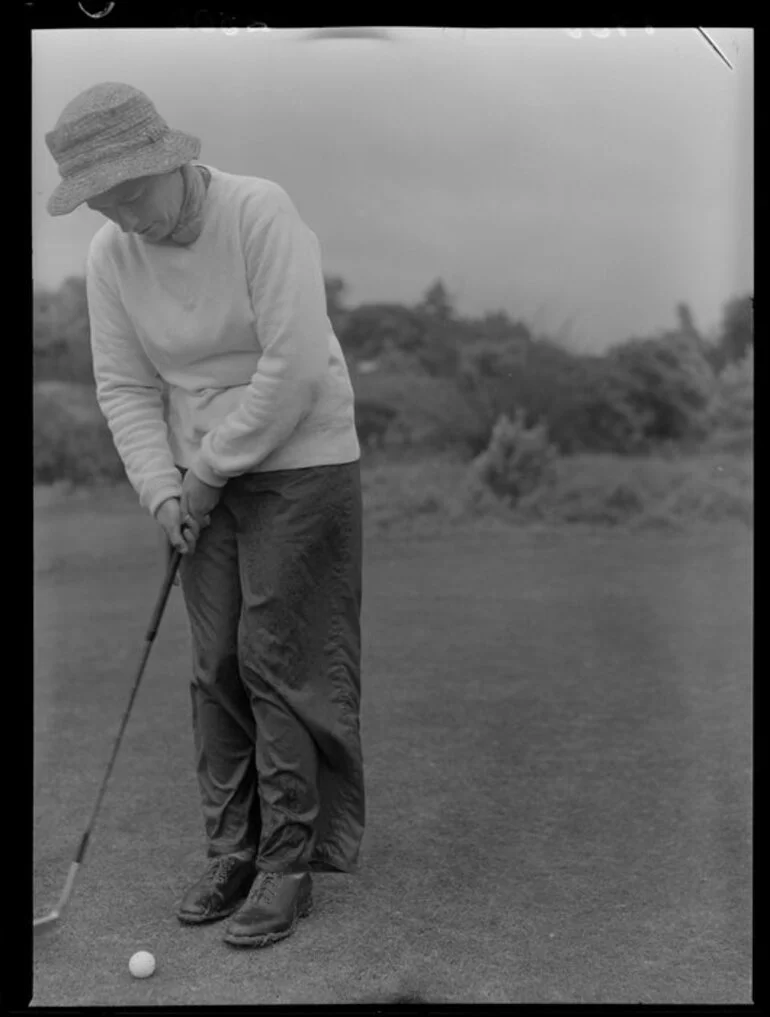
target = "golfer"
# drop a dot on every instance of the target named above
(208, 286)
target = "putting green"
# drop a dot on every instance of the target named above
(557, 738)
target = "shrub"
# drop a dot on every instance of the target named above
(731, 416)
(645, 491)
(737, 332)
(369, 327)
(599, 413)
(373, 421)
(504, 378)
(672, 385)
(518, 459)
(61, 345)
(68, 445)
(592, 490)
(587, 402)
(431, 413)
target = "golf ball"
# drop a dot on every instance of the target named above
(142, 964)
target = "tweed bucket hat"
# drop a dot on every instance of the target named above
(109, 134)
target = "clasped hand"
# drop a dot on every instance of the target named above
(183, 518)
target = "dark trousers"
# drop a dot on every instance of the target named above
(273, 595)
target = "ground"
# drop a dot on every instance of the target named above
(557, 732)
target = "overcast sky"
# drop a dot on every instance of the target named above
(595, 179)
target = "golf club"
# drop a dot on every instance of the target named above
(173, 564)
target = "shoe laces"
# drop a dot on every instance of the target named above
(220, 869)
(264, 886)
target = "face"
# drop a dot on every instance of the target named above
(149, 206)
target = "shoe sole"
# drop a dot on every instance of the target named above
(205, 919)
(268, 938)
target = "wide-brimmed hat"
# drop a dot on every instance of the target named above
(109, 134)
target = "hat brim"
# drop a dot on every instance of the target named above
(173, 151)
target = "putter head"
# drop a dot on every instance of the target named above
(39, 924)
(53, 916)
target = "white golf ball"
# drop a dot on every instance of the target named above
(142, 964)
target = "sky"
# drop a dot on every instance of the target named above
(584, 183)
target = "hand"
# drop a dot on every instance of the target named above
(198, 500)
(182, 537)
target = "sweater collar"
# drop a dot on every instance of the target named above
(195, 180)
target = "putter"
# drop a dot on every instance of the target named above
(50, 919)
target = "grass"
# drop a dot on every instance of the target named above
(556, 728)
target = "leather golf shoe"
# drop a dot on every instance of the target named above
(220, 890)
(270, 912)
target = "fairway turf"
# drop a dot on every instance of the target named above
(557, 737)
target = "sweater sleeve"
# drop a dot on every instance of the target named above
(289, 304)
(129, 392)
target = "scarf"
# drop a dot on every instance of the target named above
(195, 180)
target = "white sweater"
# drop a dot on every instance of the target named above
(236, 325)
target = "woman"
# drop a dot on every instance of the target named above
(210, 285)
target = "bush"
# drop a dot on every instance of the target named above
(737, 332)
(68, 443)
(505, 378)
(368, 328)
(731, 416)
(431, 413)
(592, 490)
(599, 413)
(518, 459)
(629, 401)
(61, 348)
(373, 421)
(645, 492)
(672, 385)
(587, 402)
